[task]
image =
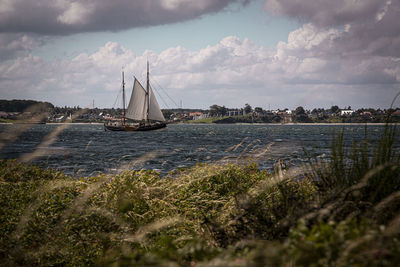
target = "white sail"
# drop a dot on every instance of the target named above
(154, 110)
(137, 108)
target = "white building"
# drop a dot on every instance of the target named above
(346, 112)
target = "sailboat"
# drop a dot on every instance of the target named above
(143, 112)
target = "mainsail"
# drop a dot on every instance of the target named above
(137, 108)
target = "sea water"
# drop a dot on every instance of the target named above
(86, 149)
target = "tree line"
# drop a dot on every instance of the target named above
(225, 115)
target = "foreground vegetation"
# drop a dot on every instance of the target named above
(337, 212)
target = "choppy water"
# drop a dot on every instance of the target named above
(86, 149)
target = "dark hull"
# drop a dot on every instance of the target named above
(127, 128)
(114, 128)
(150, 127)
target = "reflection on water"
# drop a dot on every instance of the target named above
(87, 149)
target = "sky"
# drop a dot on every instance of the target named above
(268, 53)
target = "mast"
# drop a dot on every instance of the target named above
(123, 98)
(148, 93)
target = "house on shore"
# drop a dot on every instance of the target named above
(346, 112)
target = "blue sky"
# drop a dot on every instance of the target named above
(244, 22)
(282, 54)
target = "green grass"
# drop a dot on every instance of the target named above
(340, 211)
(2, 120)
(207, 120)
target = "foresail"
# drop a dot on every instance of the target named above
(154, 110)
(137, 108)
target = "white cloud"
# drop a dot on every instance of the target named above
(6, 6)
(347, 52)
(17, 44)
(60, 17)
(75, 13)
(232, 72)
(325, 13)
(40, 19)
